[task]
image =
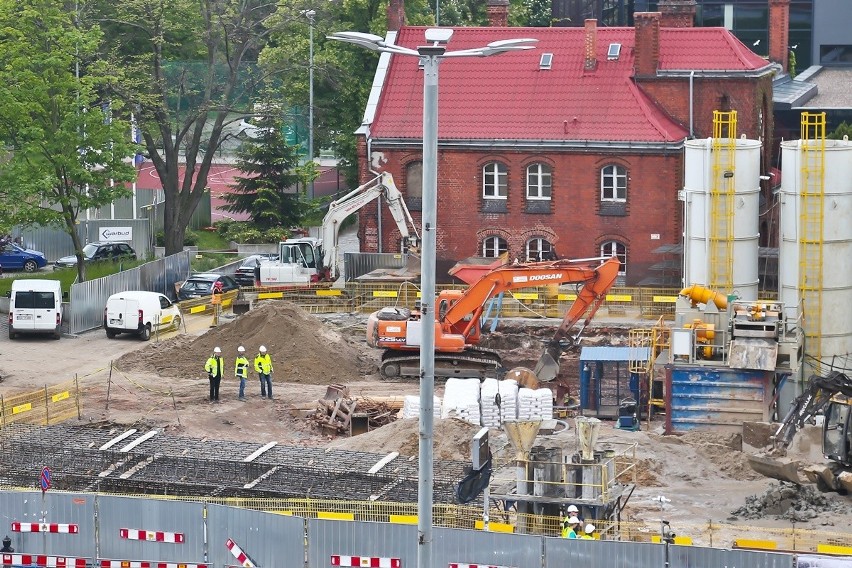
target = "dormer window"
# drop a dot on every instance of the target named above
(546, 61)
(613, 52)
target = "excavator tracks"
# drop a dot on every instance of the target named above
(472, 363)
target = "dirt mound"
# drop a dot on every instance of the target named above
(724, 451)
(452, 439)
(303, 350)
(788, 501)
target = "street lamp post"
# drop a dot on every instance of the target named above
(310, 15)
(430, 56)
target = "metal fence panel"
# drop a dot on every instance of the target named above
(327, 538)
(700, 556)
(51, 507)
(561, 552)
(485, 548)
(55, 242)
(270, 540)
(115, 513)
(357, 264)
(141, 242)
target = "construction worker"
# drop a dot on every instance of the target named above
(241, 371)
(215, 368)
(589, 532)
(570, 527)
(7, 545)
(263, 366)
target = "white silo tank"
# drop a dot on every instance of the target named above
(833, 326)
(698, 186)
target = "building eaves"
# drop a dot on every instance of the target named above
(378, 85)
(535, 145)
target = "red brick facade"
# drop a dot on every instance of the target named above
(779, 30)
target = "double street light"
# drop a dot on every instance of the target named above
(430, 56)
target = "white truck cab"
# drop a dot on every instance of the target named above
(141, 313)
(35, 306)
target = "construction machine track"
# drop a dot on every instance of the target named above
(472, 362)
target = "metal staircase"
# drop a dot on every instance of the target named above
(722, 190)
(811, 208)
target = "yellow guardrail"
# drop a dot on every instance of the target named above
(49, 405)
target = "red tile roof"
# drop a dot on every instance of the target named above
(508, 97)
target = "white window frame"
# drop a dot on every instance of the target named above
(540, 248)
(610, 248)
(539, 182)
(610, 176)
(494, 246)
(496, 172)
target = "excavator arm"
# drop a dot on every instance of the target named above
(809, 404)
(380, 186)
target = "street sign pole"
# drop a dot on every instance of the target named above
(44, 482)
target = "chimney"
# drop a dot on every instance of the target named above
(677, 13)
(396, 15)
(779, 31)
(498, 13)
(590, 61)
(647, 50)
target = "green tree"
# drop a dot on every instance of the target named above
(189, 72)
(268, 191)
(65, 153)
(843, 129)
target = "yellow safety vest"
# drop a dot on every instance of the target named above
(241, 367)
(263, 364)
(215, 366)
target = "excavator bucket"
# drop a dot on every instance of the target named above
(547, 367)
(780, 468)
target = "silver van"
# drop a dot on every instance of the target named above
(35, 306)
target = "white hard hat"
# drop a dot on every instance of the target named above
(216, 350)
(263, 349)
(590, 528)
(241, 349)
(573, 521)
(573, 509)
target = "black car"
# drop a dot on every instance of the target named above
(245, 273)
(199, 285)
(98, 251)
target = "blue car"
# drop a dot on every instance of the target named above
(13, 257)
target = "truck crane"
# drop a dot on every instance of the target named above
(457, 317)
(830, 395)
(306, 260)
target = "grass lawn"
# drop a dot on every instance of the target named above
(69, 275)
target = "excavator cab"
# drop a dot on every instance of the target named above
(836, 431)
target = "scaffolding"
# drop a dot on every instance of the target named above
(811, 228)
(722, 191)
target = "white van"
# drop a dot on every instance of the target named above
(35, 306)
(141, 313)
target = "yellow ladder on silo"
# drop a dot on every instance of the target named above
(811, 228)
(722, 190)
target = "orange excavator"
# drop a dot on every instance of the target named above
(458, 313)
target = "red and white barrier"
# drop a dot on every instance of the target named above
(148, 564)
(365, 561)
(238, 553)
(42, 560)
(151, 536)
(461, 565)
(63, 528)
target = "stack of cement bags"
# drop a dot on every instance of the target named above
(535, 404)
(493, 414)
(411, 407)
(461, 400)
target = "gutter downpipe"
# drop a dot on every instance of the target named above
(691, 103)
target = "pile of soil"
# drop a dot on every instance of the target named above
(724, 451)
(452, 439)
(789, 501)
(303, 350)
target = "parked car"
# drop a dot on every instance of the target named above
(98, 251)
(245, 273)
(199, 285)
(35, 306)
(141, 313)
(13, 257)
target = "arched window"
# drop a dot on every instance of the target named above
(494, 181)
(538, 181)
(414, 180)
(613, 183)
(539, 249)
(617, 249)
(493, 247)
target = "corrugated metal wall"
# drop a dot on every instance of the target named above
(89, 298)
(55, 242)
(357, 264)
(279, 541)
(717, 397)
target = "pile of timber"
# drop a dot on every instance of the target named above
(337, 409)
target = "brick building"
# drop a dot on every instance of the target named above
(574, 147)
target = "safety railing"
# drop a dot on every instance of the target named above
(49, 405)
